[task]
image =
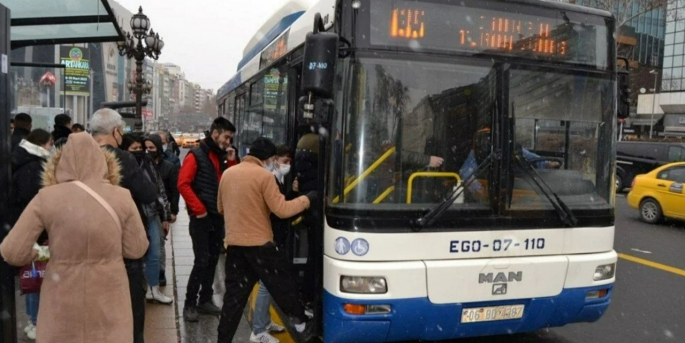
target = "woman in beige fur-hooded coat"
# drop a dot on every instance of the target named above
(85, 293)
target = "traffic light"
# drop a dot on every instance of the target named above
(623, 85)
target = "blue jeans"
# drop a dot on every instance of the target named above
(32, 301)
(153, 254)
(261, 317)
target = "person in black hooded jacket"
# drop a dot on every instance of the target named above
(27, 170)
(169, 175)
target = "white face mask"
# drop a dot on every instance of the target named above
(284, 169)
(270, 166)
(164, 147)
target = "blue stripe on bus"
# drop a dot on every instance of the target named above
(281, 26)
(419, 319)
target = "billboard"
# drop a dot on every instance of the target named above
(77, 70)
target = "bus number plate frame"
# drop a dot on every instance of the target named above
(493, 313)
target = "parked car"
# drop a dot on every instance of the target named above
(659, 193)
(634, 158)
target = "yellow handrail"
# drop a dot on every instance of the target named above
(384, 195)
(410, 183)
(366, 173)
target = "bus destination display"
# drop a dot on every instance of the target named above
(459, 28)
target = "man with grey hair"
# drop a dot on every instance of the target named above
(107, 129)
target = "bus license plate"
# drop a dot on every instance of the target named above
(486, 314)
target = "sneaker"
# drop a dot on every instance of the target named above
(28, 327)
(209, 308)
(263, 337)
(190, 314)
(273, 327)
(31, 333)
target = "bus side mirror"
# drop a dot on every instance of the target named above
(318, 73)
(623, 85)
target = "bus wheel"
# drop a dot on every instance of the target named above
(650, 211)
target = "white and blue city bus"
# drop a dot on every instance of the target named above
(466, 161)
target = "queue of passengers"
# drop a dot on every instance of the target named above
(67, 195)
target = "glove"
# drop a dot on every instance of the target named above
(313, 196)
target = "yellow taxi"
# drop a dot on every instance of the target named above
(659, 193)
(191, 140)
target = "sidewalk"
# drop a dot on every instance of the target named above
(204, 331)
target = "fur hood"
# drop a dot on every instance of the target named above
(113, 167)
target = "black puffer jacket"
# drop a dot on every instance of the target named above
(27, 170)
(60, 135)
(18, 134)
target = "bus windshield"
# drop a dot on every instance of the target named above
(413, 131)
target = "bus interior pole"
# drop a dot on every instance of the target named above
(317, 255)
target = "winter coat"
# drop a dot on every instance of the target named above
(17, 136)
(60, 135)
(85, 293)
(27, 170)
(168, 173)
(248, 194)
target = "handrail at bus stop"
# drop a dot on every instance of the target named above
(410, 183)
(366, 173)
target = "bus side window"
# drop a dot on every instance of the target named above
(675, 154)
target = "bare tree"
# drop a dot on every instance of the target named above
(622, 9)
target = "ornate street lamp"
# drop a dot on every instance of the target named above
(132, 47)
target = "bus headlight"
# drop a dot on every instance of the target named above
(605, 271)
(363, 284)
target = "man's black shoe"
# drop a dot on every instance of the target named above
(162, 278)
(308, 335)
(190, 314)
(209, 308)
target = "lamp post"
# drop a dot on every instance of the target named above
(132, 47)
(651, 122)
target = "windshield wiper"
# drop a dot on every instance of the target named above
(434, 214)
(565, 213)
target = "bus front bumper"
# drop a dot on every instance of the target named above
(419, 319)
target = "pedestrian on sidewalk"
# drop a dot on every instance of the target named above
(198, 183)
(106, 126)
(169, 174)
(62, 129)
(168, 151)
(27, 170)
(248, 194)
(262, 325)
(22, 128)
(155, 214)
(84, 294)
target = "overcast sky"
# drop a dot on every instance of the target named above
(205, 38)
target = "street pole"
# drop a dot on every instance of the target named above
(651, 122)
(132, 47)
(138, 125)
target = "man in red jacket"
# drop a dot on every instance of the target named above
(198, 183)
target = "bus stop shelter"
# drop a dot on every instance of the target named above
(27, 23)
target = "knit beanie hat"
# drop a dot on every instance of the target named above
(262, 148)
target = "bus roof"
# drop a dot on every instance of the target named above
(296, 19)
